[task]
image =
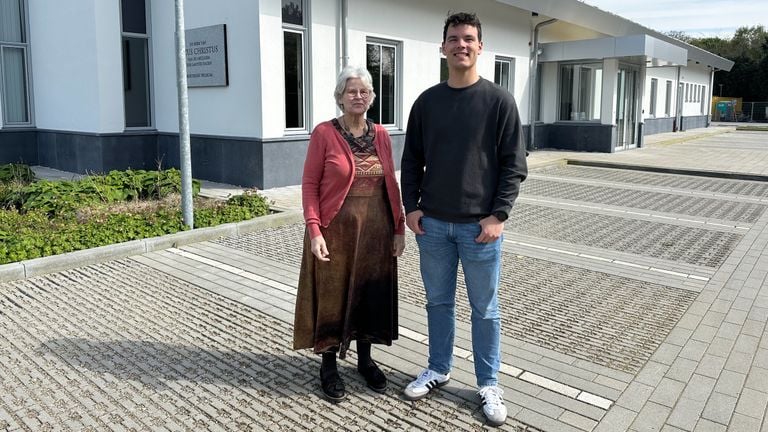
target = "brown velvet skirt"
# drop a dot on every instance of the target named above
(354, 295)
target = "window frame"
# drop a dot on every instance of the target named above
(576, 82)
(397, 77)
(150, 76)
(653, 97)
(443, 68)
(304, 30)
(510, 87)
(28, 93)
(668, 102)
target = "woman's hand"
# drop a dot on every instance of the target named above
(399, 245)
(318, 248)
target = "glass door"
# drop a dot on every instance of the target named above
(626, 107)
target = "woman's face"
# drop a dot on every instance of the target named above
(355, 97)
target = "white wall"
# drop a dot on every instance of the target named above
(662, 74)
(233, 110)
(271, 69)
(326, 59)
(75, 63)
(696, 76)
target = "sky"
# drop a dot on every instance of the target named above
(697, 18)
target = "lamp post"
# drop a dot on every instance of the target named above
(184, 150)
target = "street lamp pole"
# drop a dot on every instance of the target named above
(184, 147)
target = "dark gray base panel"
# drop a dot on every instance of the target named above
(589, 137)
(18, 146)
(249, 162)
(658, 125)
(695, 122)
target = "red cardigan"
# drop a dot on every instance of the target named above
(328, 174)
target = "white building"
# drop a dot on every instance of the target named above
(90, 85)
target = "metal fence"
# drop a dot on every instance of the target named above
(754, 111)
(749, 112)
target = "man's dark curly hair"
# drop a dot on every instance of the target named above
(467, 18)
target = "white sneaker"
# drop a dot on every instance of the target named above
(424, 383)
(493, 404)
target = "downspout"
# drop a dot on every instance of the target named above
(532, 95)
(343, 8)
(679, 100)
(711, 92)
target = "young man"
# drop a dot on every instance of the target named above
(462, 165)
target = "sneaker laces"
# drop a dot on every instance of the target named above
(423, 378)
(491, 395)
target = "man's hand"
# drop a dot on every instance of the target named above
(399, 245)
(492, 230)
(318, 248)
(413, 220)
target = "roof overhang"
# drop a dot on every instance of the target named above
(585, 15)
(636, 48)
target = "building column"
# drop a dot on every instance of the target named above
(608, 109)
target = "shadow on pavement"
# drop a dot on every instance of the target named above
(155, 364)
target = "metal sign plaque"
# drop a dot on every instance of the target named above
(207, 56)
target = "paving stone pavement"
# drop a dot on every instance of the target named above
(631, 300)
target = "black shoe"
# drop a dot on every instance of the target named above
(332, 385)
(374, 377)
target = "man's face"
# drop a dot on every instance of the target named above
(462, 46)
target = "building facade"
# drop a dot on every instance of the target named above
(90, 85)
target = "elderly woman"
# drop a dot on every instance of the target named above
(354, 231)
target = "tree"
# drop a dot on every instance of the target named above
(679, 35)
(748, 49)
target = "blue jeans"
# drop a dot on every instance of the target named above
(440, 248)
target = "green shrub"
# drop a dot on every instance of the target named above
(16, 173)
(33, 234)
(242, 207)
(64, 197)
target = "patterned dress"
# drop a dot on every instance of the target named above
(353, 296)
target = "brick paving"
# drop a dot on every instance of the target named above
(631, 301)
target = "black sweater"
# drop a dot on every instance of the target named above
(464, 155)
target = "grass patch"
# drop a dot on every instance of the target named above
(752, 128)
(40, 218)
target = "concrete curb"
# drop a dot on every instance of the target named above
(40, 266)
(680, 171)
(683, 138)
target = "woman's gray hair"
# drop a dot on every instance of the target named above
(353, 72)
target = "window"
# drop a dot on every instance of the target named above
(668, 102)
(654, 90)
(504, 73)
(703, 99)
(295, 53)
(443, 69)
(14, 79)
(687, 92)
(581, 88)
(136, 84)
(382, 62)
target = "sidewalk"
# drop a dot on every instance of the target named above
(631, 300)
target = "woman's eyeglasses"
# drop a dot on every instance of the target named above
(363, 94)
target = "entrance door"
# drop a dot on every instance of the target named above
(626, 108)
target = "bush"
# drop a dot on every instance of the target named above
(46, 218)
(64, 197)
(16, 173)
